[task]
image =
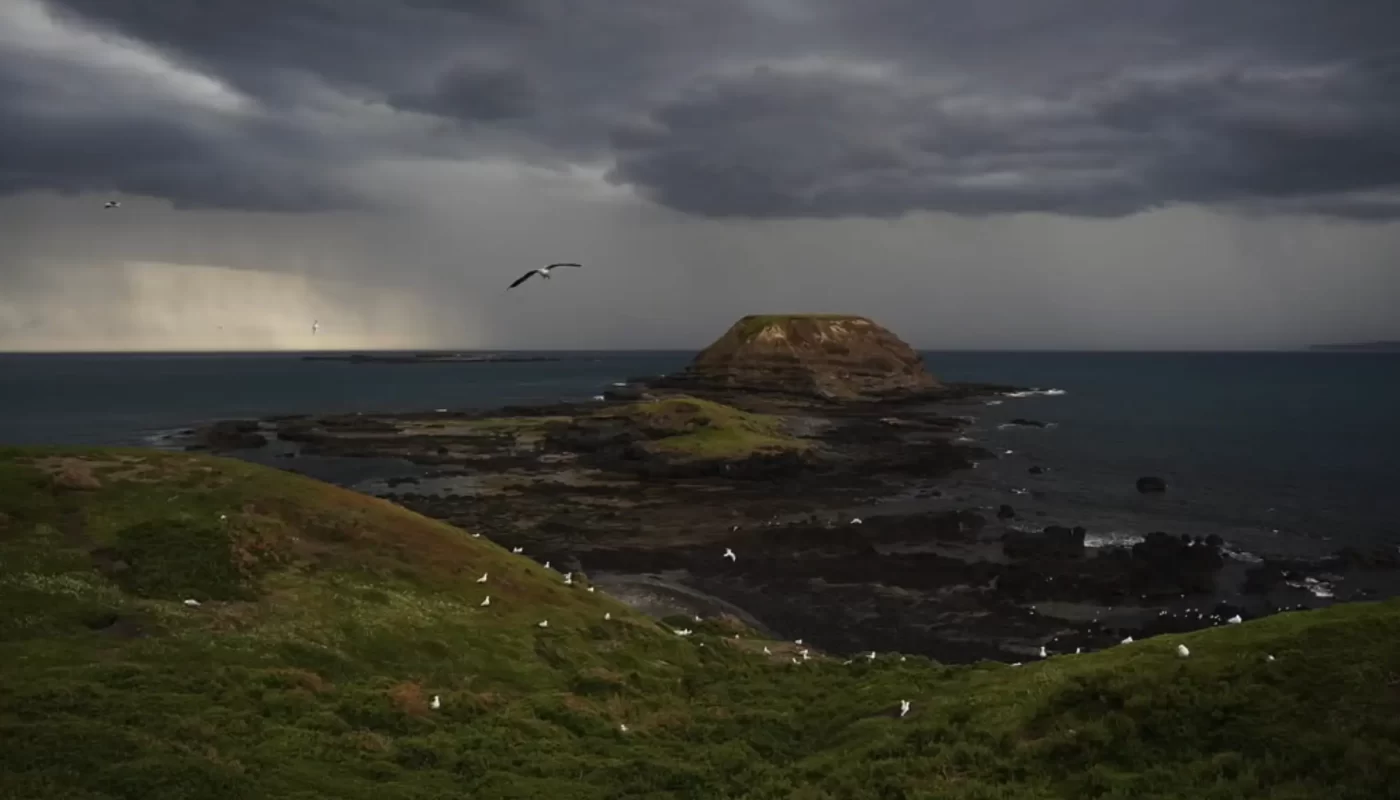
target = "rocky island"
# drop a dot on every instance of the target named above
(828, 356)
(776, 443)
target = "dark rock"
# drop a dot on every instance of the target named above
(627, 393)
(1055, 542)
(1006, 512)
(234, 434)
(1377, 558)
(1151, 483)
(1027, 423)
(1036, 470)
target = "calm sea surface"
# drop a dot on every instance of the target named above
(1260, 447)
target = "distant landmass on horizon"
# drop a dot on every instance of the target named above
(1371, 346)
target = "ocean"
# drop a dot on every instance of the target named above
(1288, 452)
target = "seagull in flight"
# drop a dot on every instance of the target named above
(315, 326)
(112, 204)
(543, 272)
(729, 554)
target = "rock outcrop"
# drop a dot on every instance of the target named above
(834, 356)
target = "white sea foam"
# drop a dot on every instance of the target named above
(1318, 588)
(1111, 539)
(1241, 555)
(994, 402)
(1034, 392)
(169, 439)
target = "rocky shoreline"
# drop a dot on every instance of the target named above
(592, 487)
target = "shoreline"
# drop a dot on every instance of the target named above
(928, 573)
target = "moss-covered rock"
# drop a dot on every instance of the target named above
(833, 356)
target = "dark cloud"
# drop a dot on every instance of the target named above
(471, 92)
(751, 108)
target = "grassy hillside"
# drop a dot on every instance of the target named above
(327, 621)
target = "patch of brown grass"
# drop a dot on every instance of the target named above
(73, 473)
(304, 679)
(369, 741)
(408, 698)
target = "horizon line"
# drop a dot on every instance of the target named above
(474, 350)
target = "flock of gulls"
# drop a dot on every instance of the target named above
(803, 653)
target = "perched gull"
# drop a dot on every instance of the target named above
(684, 632)
(1043, 653)
(607, 615)
(856, 521)
(517, 550)
(547, 566)
(592, 589)
(1128, 640)
(487, 601)
(543, 272)
(568, 579)
(437, 702)
(729, 554)
(1182, 651)
(482, 579)
(805, 653)
(1268, 658)
(797, 641)
(1235, 620)
(544, 623)
(903, 707)
(622, 727)
(766, 651)
(192, 603)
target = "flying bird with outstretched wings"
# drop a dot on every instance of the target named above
(543, 272)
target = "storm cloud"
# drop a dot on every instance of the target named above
(764, 109)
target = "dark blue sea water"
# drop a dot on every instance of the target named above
(1260, 447)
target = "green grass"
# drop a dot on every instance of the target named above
(750, 325)
(704, 429)
(328, 620)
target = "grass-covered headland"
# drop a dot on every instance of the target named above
(179, 626)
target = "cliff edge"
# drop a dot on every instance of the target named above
(837, 356)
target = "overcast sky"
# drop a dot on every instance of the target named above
(989, 174)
